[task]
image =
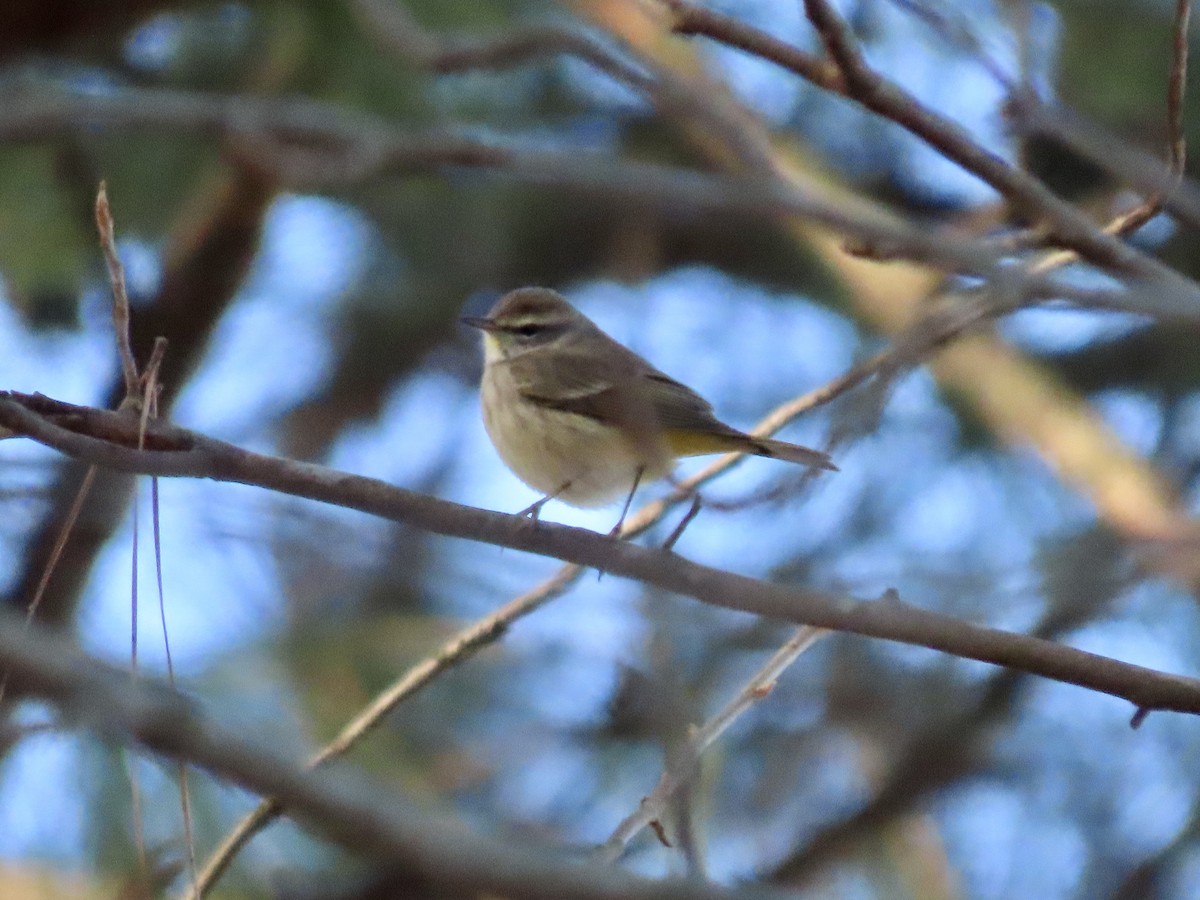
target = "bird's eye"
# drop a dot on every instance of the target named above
(527, 330)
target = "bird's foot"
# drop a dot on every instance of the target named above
(533, 511)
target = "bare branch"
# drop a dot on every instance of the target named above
(306, 142)
(120, 310)
(857, 81)
(681, 773)
(180, 453)
(314, 143)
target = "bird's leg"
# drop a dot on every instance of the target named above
(534, 510)
(637, 479)
(692, 512)
(616, 529)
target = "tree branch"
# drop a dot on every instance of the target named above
(481, 633)
(309, 143)
(176, 452)
(851, 77)
(678, 773)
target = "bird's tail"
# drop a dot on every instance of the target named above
(722, 439)
(791, 452)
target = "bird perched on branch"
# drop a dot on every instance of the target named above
(581, 418)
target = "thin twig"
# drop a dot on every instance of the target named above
(120, 309)
(60, 543)
(133, 400)
(654, 807)
(150, 393)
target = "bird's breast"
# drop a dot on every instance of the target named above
(548, 448)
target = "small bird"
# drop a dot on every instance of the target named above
(583, 419)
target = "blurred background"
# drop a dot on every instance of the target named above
(313, 313)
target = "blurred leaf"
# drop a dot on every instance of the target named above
(43, 250)
(1115, 57)
(1162, 359)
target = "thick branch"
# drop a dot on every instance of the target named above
(180, 453)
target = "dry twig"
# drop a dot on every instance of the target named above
(677, 776)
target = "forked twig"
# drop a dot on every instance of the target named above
(121, 320)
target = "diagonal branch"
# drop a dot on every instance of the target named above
(679, 773)
(852, 77)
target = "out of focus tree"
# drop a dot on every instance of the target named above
(973, 223)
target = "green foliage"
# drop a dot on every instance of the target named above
(1115, 56)
(43, 256)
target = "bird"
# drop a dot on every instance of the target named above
(583, 419)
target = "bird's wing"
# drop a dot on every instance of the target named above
(601, 388)
(610, 387)
(677, 406)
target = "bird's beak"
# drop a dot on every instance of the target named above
(479, 322)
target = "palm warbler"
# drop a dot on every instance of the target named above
(582, 418)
